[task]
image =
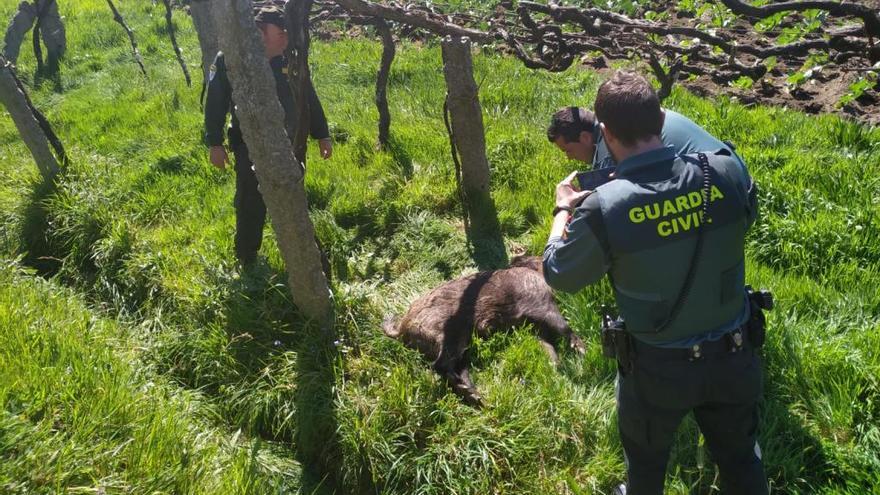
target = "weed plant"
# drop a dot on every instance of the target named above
(141, 225)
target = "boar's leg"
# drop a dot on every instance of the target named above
(552, 327)
(452, 365)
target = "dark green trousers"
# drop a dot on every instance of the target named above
(250, 211)
(722, 390)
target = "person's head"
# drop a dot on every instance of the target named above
(629, 110)
(571, 130)
(273, 28)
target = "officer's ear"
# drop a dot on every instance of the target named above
(611, 142)
(606, 134)
(585, 138)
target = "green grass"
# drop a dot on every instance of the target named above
(136, 243)
(82, 412)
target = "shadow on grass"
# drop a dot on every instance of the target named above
(278, 335)
(402, 158)
(794, 458)
(50, 72)
(38, 254)
(316, 441)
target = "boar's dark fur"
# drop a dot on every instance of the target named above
(440, 324)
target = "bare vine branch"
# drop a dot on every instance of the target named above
(388, 51)
(177, 51)
(134, 47)
(870, 16)
(552, 37)
(416, 18)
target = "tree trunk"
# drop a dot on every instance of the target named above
(200, 10)
(278, 172)
(53, 34)
(32, 134)
(382, 82)
(50, 28)
(469, 140)
(20, 24)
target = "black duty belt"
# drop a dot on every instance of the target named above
(729, 343)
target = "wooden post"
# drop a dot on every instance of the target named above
(278, 171)
(16, 103)
(469, 140)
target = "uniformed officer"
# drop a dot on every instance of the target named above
(685, 350)
(575, 131)
(250, 211)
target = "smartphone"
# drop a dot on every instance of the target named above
(590, 180)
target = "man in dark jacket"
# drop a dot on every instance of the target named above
(575, 131)
(250, 211)
(669, 231)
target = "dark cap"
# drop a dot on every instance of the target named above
(270, 14)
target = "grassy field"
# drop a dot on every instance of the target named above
(135, 357)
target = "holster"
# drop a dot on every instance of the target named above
(757, 325)
(617, 343)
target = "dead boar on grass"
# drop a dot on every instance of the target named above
(440, 324)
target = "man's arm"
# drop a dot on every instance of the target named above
(317, 120)
(576, 254)
(217, 102)
(318, 123)
(734, 169)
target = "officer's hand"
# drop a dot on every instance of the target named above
(567, 194)
(219, 158)
(326, 147)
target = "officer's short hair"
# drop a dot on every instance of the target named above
(270, 14)
(628, 106)
(569, 123)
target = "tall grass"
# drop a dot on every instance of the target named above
(82, 413)
(141, 227)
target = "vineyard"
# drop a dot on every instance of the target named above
(136, 356)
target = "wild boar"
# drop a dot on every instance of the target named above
(441, 323)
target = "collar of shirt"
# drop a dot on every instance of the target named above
(597, 138)
(664, 156)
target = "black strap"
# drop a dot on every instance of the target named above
(575, 114)
(689, 278)
(462, 195)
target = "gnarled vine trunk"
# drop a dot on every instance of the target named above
(470, 143)
(16, 103)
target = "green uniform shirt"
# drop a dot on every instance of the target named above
(680, 132)
(219, 103)
(641, 229)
